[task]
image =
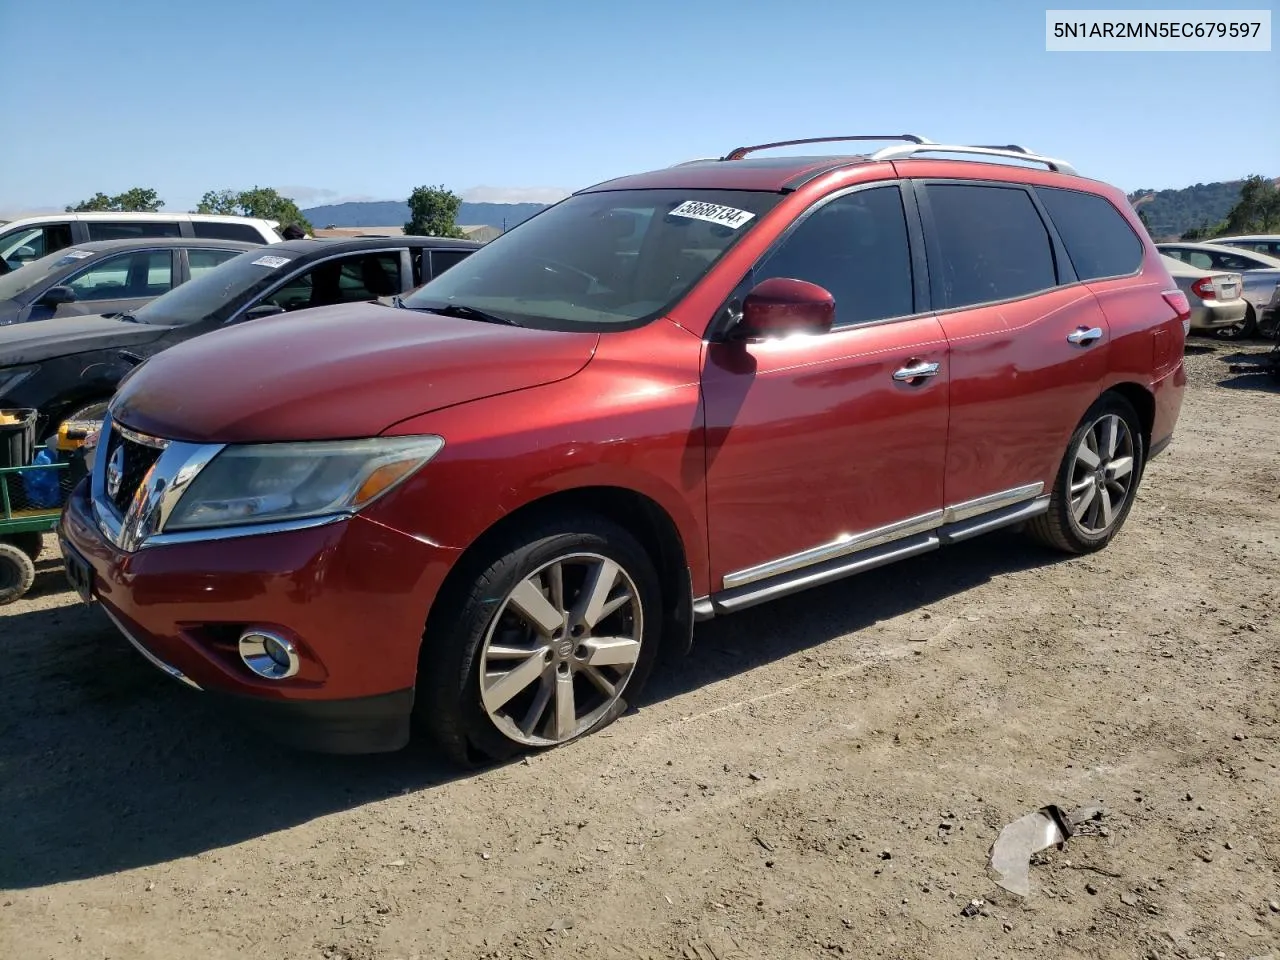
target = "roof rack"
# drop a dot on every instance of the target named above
(739, 152)
(1010, 151)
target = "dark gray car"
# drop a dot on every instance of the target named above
(108, 276)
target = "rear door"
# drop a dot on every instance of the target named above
(1028, 344)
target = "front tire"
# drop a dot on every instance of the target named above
(552, 630)
(1097, 481)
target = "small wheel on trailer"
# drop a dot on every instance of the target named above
(17, 573)
(30, 543)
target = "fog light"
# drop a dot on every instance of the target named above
(268, 654)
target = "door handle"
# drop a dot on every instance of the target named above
(915, 371)
(1084, 335)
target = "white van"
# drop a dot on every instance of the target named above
(33, 237)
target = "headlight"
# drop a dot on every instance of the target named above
(10, 377)
(271, 482)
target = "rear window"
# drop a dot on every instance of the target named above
(1099, 240)
(226, 231)
(130, 230)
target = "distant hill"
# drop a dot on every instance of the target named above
(1171, 213)
(385, 213)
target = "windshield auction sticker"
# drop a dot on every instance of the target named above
(713, 213)
(272, 262)
(75, 255)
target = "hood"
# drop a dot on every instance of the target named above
(62, 337)
(336, 373)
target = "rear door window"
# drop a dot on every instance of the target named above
(208, 230)
(442, 260)
(988, 244)
(200, 262)
(131, 229)
(1098, 239)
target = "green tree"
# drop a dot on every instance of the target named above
(1257, 210)
(1142, 215)
(137, 200)
(262, 202)
(433, 212)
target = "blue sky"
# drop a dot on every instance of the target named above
(510, 100)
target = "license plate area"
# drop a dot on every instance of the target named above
(79, 573)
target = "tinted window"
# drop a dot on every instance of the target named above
(990, 242)
(133, 275)
(342, 280)
(1098, 239)
(598, 260)
(128, 230)
(31, 243)
(217, 294)
(200, 262)
(856, 247)
(226, 231)
(442, 260)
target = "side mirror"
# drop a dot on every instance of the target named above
(56, 296)
(262, 310)
(780, 306)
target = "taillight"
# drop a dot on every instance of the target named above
(1178, 300)
(1203, 288)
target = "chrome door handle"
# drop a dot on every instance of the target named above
(1085, 335)
(916, 370)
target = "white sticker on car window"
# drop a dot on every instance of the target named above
(713, 213)
(271, 261)
(77, 254)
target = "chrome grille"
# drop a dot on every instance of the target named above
(133, 456)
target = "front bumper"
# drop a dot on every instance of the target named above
(353, 596)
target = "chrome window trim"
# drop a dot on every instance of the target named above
(850, 543)
(208, 534)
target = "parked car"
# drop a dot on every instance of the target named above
(669, 397)
(109, 276)
(68, 369)
(1259, 272)
(30, 238)
(1214, 295)
(1268, 243)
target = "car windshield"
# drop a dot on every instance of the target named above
(599, 260)
(19, 281)
(220, 292)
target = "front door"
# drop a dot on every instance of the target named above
(818, 446)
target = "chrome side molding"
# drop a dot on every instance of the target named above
(848, 544)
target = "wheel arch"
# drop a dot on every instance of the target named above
(638, 514)
(1143, 402)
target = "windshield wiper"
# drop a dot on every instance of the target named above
(463, 312)
(126, 317)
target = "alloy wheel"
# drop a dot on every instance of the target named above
(560, 649)
(1102, 474)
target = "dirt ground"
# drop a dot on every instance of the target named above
(823, 777)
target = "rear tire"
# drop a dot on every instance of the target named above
(1097, 481)
(1242, 330)
(548, 635)
(17, 573)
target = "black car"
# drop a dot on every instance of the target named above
(68, 369)
(108, 276)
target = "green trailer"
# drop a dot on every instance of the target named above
(30, 506)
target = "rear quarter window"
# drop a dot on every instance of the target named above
(131, 230)
(1098, 238)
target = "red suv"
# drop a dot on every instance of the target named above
(486, 506)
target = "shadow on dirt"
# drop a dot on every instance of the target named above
(107, 765)
(1255, 370)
